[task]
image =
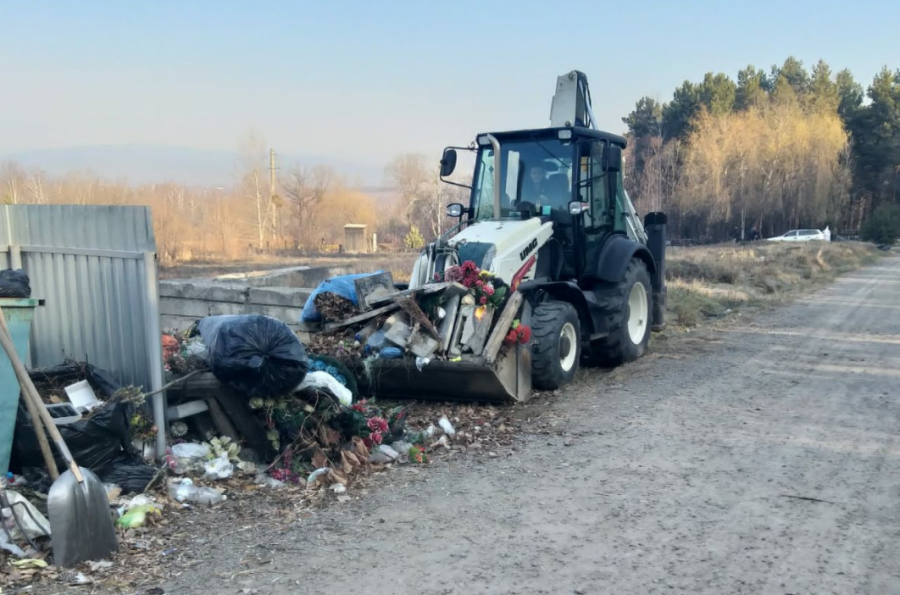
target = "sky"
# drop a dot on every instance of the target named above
(362, 81)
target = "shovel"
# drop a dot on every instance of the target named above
(81, 525)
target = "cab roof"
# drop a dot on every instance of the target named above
(553, 132)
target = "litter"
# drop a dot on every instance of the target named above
(383, 454)
(185, 491)
(257, 355)
(137, 516)
(315, 475)
(447, 426)
(219, 468)
(326, 381)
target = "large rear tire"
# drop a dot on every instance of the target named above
(627, 308)
(556, 344)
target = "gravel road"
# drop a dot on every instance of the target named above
(760, 457)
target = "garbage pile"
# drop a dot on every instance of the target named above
(466, 314)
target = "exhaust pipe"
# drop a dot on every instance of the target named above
(655, 226)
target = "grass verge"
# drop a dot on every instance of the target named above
(710, 282)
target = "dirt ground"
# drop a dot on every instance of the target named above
(757, 457)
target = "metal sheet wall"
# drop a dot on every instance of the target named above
(88, 263)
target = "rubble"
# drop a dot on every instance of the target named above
(246, 446)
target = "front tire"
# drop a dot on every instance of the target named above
(628, 308)
(556, 349)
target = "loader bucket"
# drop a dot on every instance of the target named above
(507, 381)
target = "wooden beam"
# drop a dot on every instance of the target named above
(510, 311)
(333, 326)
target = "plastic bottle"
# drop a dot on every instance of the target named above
(186, 491)
(376, 340)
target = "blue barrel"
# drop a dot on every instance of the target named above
(19, 314)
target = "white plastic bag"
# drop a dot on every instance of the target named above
(28, 523)
(189, 457)
(383, 454)
(326, 381)
(219, 468)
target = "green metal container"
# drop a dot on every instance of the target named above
(18, 314)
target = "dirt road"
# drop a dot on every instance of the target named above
(761, 458)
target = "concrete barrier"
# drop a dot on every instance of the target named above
(280, 293)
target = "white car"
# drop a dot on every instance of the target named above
(799, 235)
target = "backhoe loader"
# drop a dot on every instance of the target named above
(548, 214)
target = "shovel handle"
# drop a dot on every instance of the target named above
(30, 393)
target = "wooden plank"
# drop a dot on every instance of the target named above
(464, 313)
(221, 421)
(449, 289)
(249, 426)
(333, 326)
(373, 287)
(479, 330)
(510, 310)
(449, 322)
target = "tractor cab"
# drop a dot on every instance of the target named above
(569, 176)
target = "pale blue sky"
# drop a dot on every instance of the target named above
(364, 80)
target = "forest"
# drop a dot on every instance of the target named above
(770, 151)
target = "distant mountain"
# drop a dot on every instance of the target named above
(141, 164)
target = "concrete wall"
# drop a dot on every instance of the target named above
(182, 302)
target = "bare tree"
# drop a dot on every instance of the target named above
(252, 182)
(305, 188)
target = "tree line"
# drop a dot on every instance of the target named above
(770, 151)
(304, 213)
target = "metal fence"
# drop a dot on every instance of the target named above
(95, 269)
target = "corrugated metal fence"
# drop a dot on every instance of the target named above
(95, 267)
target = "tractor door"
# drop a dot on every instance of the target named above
(596, 187)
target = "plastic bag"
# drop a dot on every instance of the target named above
(186, 491)
(14, 284)
(257, 355)
(187, 457)
(219, 468)
(101, 442)
(325, 381)
(30, 518)
(343, 286)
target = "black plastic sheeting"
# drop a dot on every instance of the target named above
(14, 284)
(259, 356)
(100, 442)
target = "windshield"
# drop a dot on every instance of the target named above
(535, 173)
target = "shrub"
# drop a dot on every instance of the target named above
(883, 227)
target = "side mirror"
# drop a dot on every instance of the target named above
(614, 158)
(448, 162)
(455, 209)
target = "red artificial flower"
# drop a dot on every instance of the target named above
(483, 300)
(488, 290)
(524, 333)
(375, 438)
(378, 424)
(511, 337)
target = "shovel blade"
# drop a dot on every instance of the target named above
(81, 524)
(507, 381)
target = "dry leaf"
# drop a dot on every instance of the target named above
(319, 459)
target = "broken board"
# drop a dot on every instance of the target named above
(449, 289)
(373, 287)
(333, 326)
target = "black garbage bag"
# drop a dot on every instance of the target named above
(257, 355)
(100, 441)
(14, 284)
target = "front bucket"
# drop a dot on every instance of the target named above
(508, 381)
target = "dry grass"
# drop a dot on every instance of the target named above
(709, 282)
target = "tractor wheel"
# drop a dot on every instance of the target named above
(627, 307)
(556, 349)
